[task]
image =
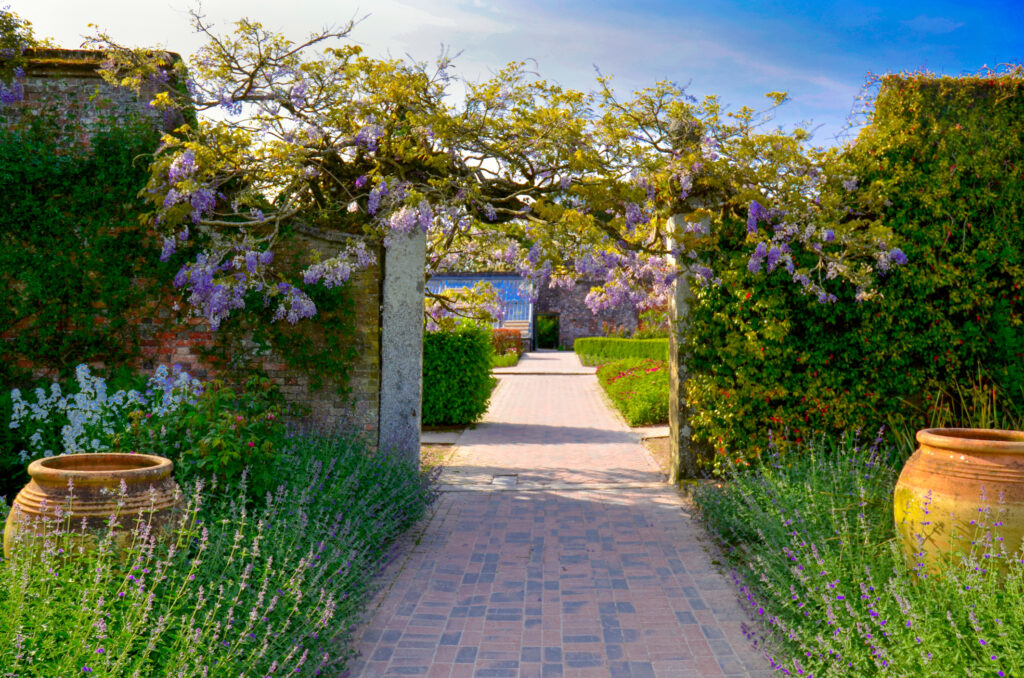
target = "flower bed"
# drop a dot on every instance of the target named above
(811, 540)
(638, 389)
(275, 589)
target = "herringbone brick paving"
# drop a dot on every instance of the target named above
(553, 578)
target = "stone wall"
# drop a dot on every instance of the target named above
(66, 83)
(575, 319)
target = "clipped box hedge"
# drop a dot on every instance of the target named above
(457, 379)
(597, 350)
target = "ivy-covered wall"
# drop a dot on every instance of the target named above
(942, 164)
(80, 276)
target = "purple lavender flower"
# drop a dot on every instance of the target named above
(404, 220)
(183, 167)
(373, 201)
(897, 257)
(361, 181)
(368, 136)
(203, 202)
(757, 258)
(252, 261)
(489, 212)
(424, 215)
(755, 214)
(168, 249)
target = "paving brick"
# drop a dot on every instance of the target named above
(557, 578)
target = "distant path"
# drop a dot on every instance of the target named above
(554, 551)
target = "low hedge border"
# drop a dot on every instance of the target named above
(598, 350)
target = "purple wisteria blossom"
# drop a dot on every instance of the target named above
(755, 214)
(183, 167)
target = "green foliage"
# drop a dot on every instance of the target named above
(639, 389)
(457, 379)
(597, 350)
(547, 331)
(324, 347)
(507, 360)
(654, 324)
(74, 258)
(811, 538)
(224, 433)
(506, 341)
(940, 166)
(246, 591)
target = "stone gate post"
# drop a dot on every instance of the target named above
(683, 452)
(401, 345)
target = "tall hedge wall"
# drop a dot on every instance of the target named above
(942, 164)
(457, 379)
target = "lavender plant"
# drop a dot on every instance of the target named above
(811, 540)
(270, 591)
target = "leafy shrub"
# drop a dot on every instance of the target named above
(242, 591)
(80, 415)
(204, 430)
(220, 432)
(506, 341)
(654, 324)
(936, 166)
(547, 331)
(596, 350)
(457, 379)
(638, 388)
(507, 360)
(811, 538)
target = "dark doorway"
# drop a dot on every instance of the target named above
(547, 330)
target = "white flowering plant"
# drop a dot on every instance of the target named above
(87, 420)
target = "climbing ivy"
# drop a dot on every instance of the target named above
(941, 164)
(72, 247)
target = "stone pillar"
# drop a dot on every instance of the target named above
(401, 345)
(683, 452)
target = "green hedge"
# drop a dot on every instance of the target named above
(940, 164)
(597, 350)
(638, 388)
(457, 379)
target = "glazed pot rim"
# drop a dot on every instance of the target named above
(973, 439)
(66, 466)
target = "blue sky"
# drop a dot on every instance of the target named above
(819, 52)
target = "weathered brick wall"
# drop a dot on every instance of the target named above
(575, 319)
(65, 83)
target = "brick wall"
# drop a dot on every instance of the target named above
(65, 82)
(575, 319)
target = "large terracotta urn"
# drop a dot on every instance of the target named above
(143, 482)
(962, 485)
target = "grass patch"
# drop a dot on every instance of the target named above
(811, 538)
(638, 388)
(275, 589)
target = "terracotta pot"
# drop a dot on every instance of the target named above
(958, 485)
(97, 480)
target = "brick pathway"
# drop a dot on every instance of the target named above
(574, 561)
